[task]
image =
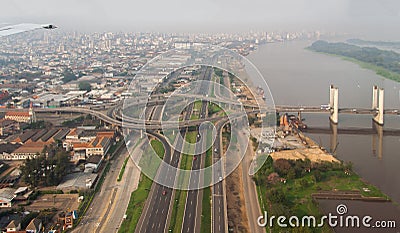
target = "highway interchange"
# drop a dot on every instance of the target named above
(156, 214)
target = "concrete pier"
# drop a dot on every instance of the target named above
(334, 104)
(333, 137)
(378, 96)
(377, 139)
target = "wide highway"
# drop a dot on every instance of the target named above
(193, 207)
(155, 214)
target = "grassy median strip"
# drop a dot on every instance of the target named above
(213, 108)
(158, 148)
(121, 172)
(136, 204)
(197, 107)
(212, 86)
(180, 195)
(139, 196)
(206, 205)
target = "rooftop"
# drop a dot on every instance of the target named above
(26, 135)
(77, 181)
(94, 159)
(9, 147)
(30, 147)
(34, 225)
(16, 113)
(6, 122)
(13, 224)
(7, 194)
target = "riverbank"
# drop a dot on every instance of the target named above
(291, 185)
(379, 70)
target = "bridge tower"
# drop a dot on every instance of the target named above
(378, 95)
(334, 104)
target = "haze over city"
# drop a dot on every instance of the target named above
(375, 19)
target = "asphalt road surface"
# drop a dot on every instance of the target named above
(219, 215)
(193, 207)
(154, 218)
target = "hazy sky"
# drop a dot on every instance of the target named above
(376, 17)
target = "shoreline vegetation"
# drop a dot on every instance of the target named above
(292, 186)
(383, 62)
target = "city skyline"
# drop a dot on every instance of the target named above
(374, 19)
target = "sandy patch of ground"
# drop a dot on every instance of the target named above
(237, 217)
(313, 154)
(62, 202)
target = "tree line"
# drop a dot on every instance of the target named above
(47, 168)
(389, 60)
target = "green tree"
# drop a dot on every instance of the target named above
(282, 166)
(262, 174)
(291, 174)
(317, 176)
(46, 170)
(85, 86)
(68, 76)
(277, 195)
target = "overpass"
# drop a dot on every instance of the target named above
(118, 119)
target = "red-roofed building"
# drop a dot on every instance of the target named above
(98, 146)
(28, 150)
(23, 117)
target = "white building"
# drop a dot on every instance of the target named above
(6, 197)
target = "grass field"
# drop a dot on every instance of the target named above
(121, 172)
(213, 108)
(212, 90)
(206, 206)
(136, 204)
(158, 148)
(298, 191)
